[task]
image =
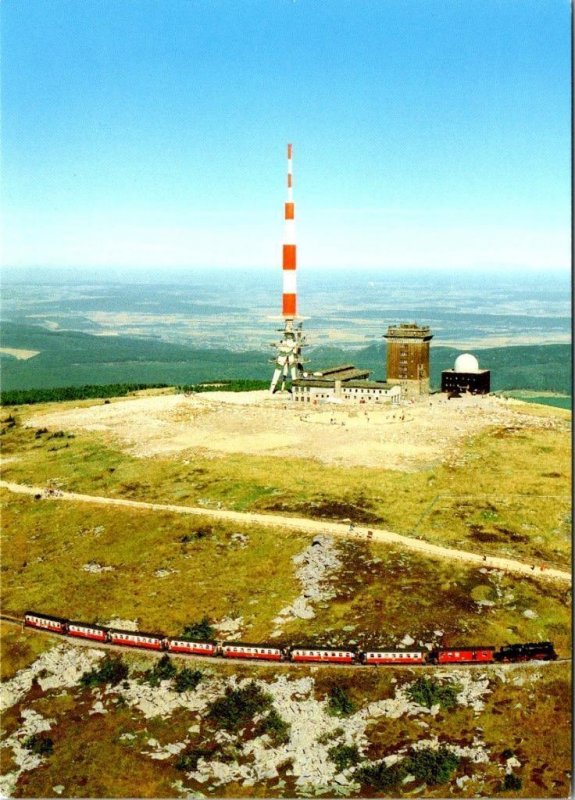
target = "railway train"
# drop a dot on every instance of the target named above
(539, 651)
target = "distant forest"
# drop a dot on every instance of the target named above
(73, 359)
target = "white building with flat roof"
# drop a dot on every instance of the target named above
(341, 384)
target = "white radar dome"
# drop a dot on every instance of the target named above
(466, 363)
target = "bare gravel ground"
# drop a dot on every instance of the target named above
(254, 423)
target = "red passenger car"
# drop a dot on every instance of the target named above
(330, 655)
(150, 641)
(86, 631)
(192, 648)
(242, 650)
(394, 657)
(463, 655)
(45, 622)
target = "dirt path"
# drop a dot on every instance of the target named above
(308, 526)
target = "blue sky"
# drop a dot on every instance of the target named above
(147, 133)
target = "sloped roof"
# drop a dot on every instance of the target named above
(345, 372)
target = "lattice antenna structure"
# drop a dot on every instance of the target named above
(288, 360)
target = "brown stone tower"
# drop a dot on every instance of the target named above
(408, 358)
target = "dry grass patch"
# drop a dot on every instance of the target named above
(90, 760)
(166, 570)
(504, 491)
(515, 716)
(384, 593)
(19, 649)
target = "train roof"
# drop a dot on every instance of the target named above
(395, 650)
(45, 616)
(89, 625)
(137, 633)
(262, 645)
(530, 645)
(330, 649)
(463, 647)
(191, 641)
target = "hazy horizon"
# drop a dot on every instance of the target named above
(240, 309)
(11, 274)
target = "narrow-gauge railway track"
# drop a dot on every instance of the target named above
(211, 660)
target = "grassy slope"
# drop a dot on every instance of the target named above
(47, 544)
(508, 491)
(382, 592)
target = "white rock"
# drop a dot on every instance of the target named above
(123, 624)
(229, 627)
(63, 665)
(92, 566)
(317, 563)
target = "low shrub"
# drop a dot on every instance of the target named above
(276, 728)
(38, 744)
(201, 631)
(340, 703)
(188, 760)
(330, 736)
(380, 777)
(432, 766)
(344, 755)
(163, 670)
(429, 692)
(429, 766)
(187, 679)
(238, 706)
(111, 669)
(512, 782)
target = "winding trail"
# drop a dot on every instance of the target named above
(308, 526)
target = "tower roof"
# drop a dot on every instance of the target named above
(408, 330)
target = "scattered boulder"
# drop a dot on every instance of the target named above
(228, 627)
(316, 565)
(92, 566)
(122, 624)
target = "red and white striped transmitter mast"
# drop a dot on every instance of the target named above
(288, 360)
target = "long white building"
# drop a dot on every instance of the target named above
(340, 384)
